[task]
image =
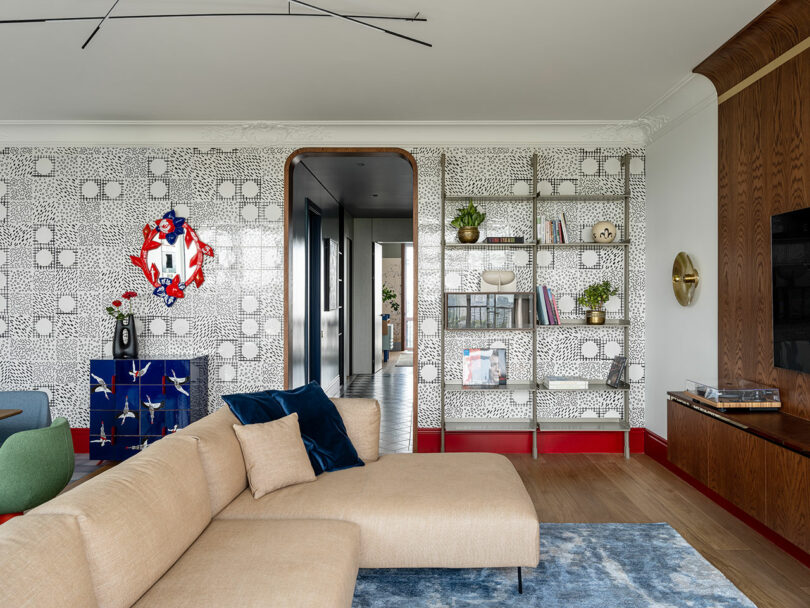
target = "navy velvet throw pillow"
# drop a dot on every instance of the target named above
(322, 429)
(250, 408)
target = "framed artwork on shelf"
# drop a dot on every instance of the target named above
(616, 371)
(484, 367)
(330, 277)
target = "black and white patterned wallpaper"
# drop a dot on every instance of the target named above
(70, 218)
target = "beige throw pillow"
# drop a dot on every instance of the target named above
(275, 456)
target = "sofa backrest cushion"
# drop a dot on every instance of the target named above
(138, 518)
(43, 565)
(361, 417)
(221, 456)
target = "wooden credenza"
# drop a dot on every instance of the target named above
(760, 462)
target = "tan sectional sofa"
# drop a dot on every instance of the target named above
(176, 525)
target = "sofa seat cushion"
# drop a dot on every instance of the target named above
(418, 510)
(246, 564)
(42, 564)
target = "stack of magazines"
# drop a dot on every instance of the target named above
(547, 312)
(566, 382)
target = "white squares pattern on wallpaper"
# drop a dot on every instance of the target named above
(70, 217)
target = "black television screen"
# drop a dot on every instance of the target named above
(790, 260)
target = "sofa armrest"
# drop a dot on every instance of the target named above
(362, 420)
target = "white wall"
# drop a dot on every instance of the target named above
(681, 216)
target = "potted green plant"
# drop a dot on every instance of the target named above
(467, 221)
(594, 298)
(389, 295)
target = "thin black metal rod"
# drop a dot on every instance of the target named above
(100, 23)
(520, 580)
(358, 22)
(416, 19)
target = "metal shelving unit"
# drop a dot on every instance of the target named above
(600, 424)
(622, 424)
(449, 424)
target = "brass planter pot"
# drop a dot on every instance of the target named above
(595, 317)
(468, 234)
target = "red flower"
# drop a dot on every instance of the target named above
(116, 303)
(129, 294)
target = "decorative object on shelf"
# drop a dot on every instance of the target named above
(330, 277)
(125, 338)
(594, 298)
(685, 279)
(616, 371)
(171, 257)
(604, 232)
(484, 367)
(735, 395)
(489, 311)
(467, 221)
(390, 296)
(498, 280)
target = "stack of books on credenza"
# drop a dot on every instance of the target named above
(574, 383)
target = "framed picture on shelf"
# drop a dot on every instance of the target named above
(616, 371)
(330, 277)
(484, 367)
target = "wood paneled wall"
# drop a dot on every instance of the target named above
(764, 169)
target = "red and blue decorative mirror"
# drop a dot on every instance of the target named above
(171, 257)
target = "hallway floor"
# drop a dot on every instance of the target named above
(393, 388)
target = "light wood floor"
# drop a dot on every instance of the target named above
(595, 488)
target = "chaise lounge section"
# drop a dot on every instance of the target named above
(177, 525)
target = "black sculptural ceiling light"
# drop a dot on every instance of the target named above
(315, 11)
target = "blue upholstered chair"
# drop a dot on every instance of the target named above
(35, 412)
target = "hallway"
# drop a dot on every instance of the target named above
(393, 388)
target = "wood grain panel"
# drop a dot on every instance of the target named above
(737, 467)
(764, 169)
(788, 495)
(688, 438)
(779, 28)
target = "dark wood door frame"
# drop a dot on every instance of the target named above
(358, 151)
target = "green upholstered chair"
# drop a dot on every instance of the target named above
(35, 466)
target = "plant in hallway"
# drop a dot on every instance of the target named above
(390, 296)
(467, 221)
(594, 297)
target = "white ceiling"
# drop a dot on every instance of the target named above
(497, 60)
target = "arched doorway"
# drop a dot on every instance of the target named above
(314, 332)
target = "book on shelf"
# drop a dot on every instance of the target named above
(553, 232)
(547, 311)
(504, 239)
(565, 382)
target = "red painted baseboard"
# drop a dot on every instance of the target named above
(656, 448)
(81, 440)
(548, 442)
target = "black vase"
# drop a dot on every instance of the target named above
(125, 340)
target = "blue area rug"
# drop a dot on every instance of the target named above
(581, 566)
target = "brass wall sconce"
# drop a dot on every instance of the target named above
(685, 278)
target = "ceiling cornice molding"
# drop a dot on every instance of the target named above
(371, 133)
(688, 97)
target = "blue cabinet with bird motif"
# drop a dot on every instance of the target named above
(135, 402)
